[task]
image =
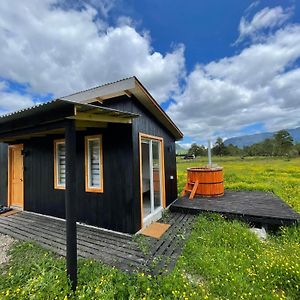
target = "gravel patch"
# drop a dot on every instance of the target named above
(5, 243)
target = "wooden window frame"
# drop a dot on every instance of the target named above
(56, 185)
(86, 145)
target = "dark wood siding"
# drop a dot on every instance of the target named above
(3, 174)
(111, 209)
(40, 195)
(146, 123)
(118, 207)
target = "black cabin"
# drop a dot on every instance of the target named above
(122, 145)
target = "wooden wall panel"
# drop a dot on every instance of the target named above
(40, 195)
(118, 208)
(146, 123)
(111, 209)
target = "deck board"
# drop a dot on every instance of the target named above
(250, 206)
(112, 248)
(56, 239)
(124, 252)
(86, 236)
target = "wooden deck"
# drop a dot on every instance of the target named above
(121, 251)
(163, 253)
(251, 206)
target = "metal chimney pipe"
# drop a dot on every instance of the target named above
(209, 153)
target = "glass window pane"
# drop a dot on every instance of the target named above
(61, 164)
(94, 163)
(146, 178)
(156, 173)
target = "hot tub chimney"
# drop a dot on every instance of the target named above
(209, 153)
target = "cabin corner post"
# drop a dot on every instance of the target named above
(70, 202)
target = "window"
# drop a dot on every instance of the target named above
(59, 164)
(93, 164)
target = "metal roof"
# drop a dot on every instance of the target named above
(47, 106)
(97, 87)
(107, 91)
(127, 86)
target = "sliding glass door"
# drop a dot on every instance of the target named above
(156, 174)
(152, 174)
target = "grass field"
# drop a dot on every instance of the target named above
(221, 259)
(277, 175)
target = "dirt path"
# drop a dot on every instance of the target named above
(5, 243)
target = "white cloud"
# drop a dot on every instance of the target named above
(57, 49)
(258, 85)
(267, 18)
(62, 50)
(13, 101)
(3, 85)
(252, 6)
(105, 6)
(255, 65)
(185, 145)
(286, 89)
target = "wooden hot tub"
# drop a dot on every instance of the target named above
(205, 182)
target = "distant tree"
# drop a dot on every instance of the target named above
(283, 142)
(203, 151)
(255, 149)
(280, 144)
(219, 147)
(246, 151)
(233, 150)
(297, 148)
(267, 147)
(197, 150)
(264, 148)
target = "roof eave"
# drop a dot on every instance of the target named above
(129, 86)
(103, 92)
(141, 93)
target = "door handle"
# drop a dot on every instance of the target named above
(21, 179)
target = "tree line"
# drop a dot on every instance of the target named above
(281, 144)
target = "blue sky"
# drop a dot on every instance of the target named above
(219, 68)
(196, 25)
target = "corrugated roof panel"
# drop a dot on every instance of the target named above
(46, 106)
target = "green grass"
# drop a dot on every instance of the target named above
(34, 273)
(221, 259)
(232, 264)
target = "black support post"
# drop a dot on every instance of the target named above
(70, 202)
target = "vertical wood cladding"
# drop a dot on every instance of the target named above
(3, 173)
(146, 123)
(40, 195)
(118, 207)
(111, 209)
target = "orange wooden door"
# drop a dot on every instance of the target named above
(16, 187)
